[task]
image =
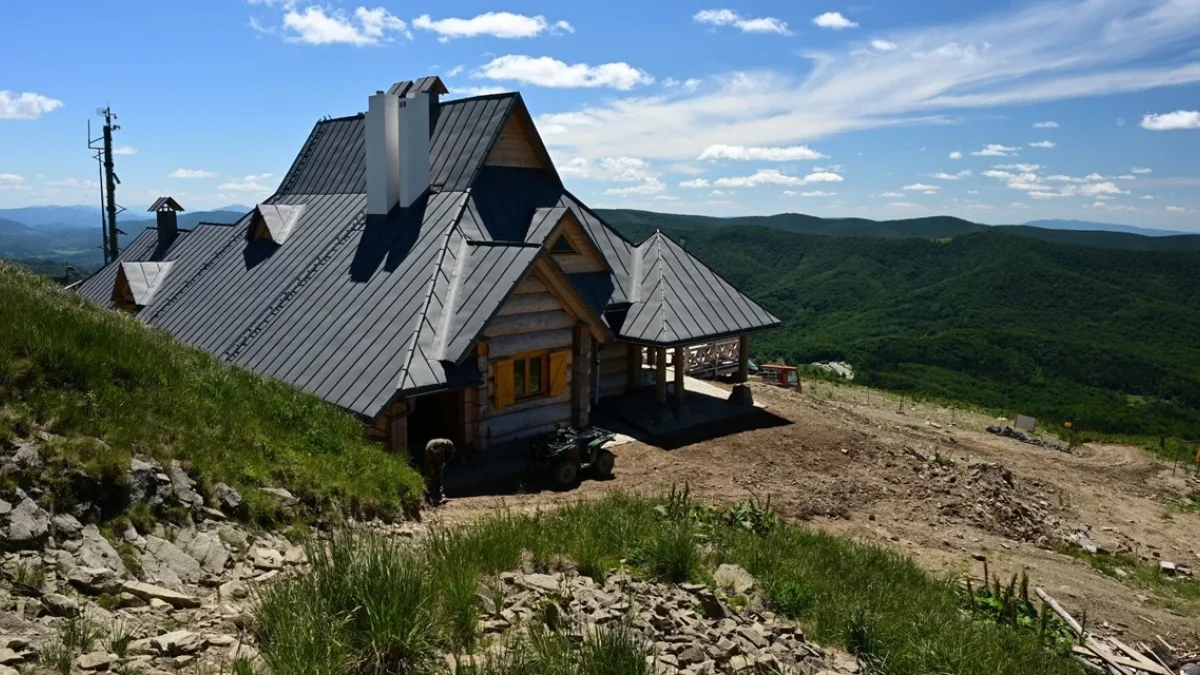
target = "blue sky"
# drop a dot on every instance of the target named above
(997, 111)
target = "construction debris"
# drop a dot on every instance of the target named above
(1009, 432)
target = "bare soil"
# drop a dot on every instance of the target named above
(931, 482)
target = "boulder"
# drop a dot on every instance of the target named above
(93, 580)
(227, 498)
(5, 508)
(27, 455)
(150, 592)
(266, 558)
(206, 549)
(28, 525)
(66, 525)
(281, 495)
(177, 643)
(95, 551)
(734, 578)
(147, 483)
(165, 561)
(8, 657)
(94, 661)
(60, 605)
(184, 486)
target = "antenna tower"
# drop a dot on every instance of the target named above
(108, 183)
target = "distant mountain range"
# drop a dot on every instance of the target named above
(1087, 225)
(89, 216)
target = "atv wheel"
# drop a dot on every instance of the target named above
(603, 466)
(564, 472)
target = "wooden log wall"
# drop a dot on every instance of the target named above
(515, 146)
(613, 369)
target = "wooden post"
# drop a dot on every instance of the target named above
(660, 374)
(398, 427)
(633, 366)
(580, 375)
(741, 388)
(680, 369)
(483, 399)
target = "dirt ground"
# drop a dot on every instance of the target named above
(931, 482)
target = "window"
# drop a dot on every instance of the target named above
(527, 376)
(562, 245)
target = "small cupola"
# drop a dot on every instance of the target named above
(274, 222)
(165, 210)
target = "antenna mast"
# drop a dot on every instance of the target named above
(104, 157)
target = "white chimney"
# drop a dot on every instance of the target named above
(383, 153)
(414, 148)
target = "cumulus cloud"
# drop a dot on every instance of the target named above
(1023, 167)
(921, 187)
(1045, 125)
(1042, 144)
(694, 183)
(995, 150)
(1002, 58)
(1180, 119)
(251, 183)
(764, 154)
(1174, 208)
(191, 173)
(884, 45)
(317, 26)
(833, 20)
(891, 194)
(544, 71)
(956, 155)
(942, 175)
(26, 105)
(688, 86)
(125, 150)
(728, 17)
(1140, 170)
(776, 177)
(810, 193)
(504, 25)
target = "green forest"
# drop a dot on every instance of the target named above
(1107, 338)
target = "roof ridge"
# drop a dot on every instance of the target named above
(662, 283)
(452, 292)
(293, 174)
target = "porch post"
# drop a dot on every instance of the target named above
(681, 357)
(581, 380)
(633, 366)
(741, 388)
(660, 374)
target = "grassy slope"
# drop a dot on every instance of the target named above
(85, 372)
(368, 599)
(1061, 332)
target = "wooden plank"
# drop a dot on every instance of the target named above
(515, 147)
(509, 345)
(512, 422)
(1142, 662)
(530, 284)
(526, 404)
(612, 367)
(529, 302)
(515, 324)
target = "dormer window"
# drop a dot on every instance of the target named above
(137, 282)
(563, 245)
(274, 222)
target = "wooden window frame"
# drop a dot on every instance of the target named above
(543, 356)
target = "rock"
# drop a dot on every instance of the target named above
(66, 525)
(28, 525)
(734, 578)
(60, 605)
(232, 590)
(1167, 568)
(1190, 669)
(145, 483)
(27, 455)
(8, 657)
(5, 670)
(5, 508)
(207, 550)
(150, 592)
(94, 661)
(295, 556)
(183, 486)
(167, 563)
(692, 654)
(1081, 539)
(281, 495)
(95, 551)
(712, 606)
(542, 583)
(266, 558)
(177, 643)
(227, 498)
(94, 580)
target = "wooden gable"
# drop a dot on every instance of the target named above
(517, 146)
(573, 249)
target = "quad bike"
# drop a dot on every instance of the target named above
(566, 450)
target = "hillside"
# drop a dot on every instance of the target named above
(108, 389)
(931, 227)
(1101, 336)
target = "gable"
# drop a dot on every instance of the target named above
(573, 249)
(274, 222)
(137, 282)
(517, 146)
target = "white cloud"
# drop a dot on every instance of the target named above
(833, 20)
(1140, 170)
(366, 27)
(1120, 121)
(1093, 176)
(995, 150)
(816, 193)
(191, 173)
(905, 205)
(728, 17)
(1095, 49)
(695, 183)
(1147, 197)
(1174, 208)
(1045, 125)
(11, 178)
(689, 85)
(251, 183)
(892, 194)
(547, 72)
(942, 175)
(650, 187)
(776, 177)
(494, 24)
(125, 150)
(1018, 205)
(26, 105)
(956, 155)
(921, 187)
(1022, 167)
(883, 45)
(456, 71)
(1180, 119)
(478, 91)
(1127, 176)
(1042, 144)
(738, 152)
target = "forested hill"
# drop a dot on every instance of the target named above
(1106, 337)
(932, 227)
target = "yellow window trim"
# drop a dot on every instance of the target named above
(553, 376)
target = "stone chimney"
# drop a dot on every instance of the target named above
(165, 210)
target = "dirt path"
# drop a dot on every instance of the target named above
(931, 483)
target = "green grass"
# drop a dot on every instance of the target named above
(1180, 594)
(113, 388)
(870, 600)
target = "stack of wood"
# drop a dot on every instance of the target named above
(1110, 656)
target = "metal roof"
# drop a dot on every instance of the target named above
(357, 310)
(143, 279)
(430, 84)
(165, 203)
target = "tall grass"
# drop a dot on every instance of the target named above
(91, 373)
(869, 600)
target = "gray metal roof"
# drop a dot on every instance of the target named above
(356, 311)
(680, 300)
(143, 279)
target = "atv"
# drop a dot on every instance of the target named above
(566, 450)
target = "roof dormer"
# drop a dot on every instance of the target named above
(137, 283)
(274, 222)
